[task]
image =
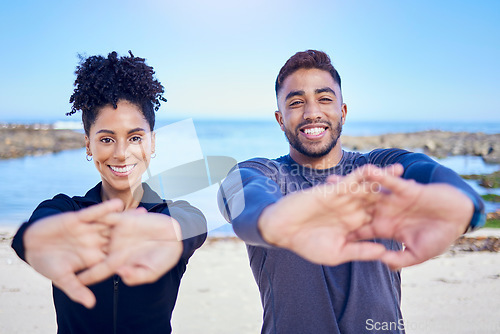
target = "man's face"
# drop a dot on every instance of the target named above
(311, 112)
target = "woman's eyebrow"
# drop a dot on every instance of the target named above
(112, 132)
(105, 131)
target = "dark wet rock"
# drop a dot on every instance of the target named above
(18, 140)
(487, 181)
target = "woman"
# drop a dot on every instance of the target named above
(120, 236)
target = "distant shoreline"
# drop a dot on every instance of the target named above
(18, 140)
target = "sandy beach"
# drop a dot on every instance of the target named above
(453, 293)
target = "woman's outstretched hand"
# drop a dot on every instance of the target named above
(61, 245)
(143, 247)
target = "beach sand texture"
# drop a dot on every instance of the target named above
(453, 293)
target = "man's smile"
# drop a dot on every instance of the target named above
(313, 131)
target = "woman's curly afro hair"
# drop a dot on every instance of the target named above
(104, 81)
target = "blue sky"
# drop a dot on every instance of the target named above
(399, 60)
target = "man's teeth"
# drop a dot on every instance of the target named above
(122, 169)
(314, 131)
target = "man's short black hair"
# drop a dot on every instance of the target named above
(306, 59)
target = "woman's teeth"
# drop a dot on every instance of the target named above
(122, 169)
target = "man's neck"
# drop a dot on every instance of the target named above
(329, 160)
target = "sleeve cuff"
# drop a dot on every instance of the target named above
(479, 217)
(246, 225)
(18, 241)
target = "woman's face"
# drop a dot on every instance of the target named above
(121, 143)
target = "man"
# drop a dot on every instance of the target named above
(303, 215)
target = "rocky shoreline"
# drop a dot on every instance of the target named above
(434, 142)
(18, 140)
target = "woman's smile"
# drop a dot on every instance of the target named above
(122, 170)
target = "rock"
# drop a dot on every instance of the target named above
(493, 215)
(430, 145)
(486, 180)
(467, 244)
(18, 140)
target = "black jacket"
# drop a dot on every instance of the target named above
(120, 308)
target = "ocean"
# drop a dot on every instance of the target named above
(27, 181)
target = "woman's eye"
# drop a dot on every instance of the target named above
(136, 139)
(106, 140)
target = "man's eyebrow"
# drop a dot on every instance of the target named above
(324, 90)
(294, 93)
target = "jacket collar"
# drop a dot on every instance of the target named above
(149, 199)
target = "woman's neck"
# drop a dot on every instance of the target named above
(130, 197)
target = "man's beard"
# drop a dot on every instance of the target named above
(312, 150)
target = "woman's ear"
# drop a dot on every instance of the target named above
(87, 145)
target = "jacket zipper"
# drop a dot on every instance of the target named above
(116, 280)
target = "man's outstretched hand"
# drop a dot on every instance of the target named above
(330, 223)
(315, 223)
(61, 245)
(427, 218)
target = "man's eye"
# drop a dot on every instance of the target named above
(295, 103)
(326, 99)
(136, 139)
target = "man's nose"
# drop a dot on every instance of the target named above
(312, 111)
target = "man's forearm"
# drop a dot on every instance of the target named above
(243, 204)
